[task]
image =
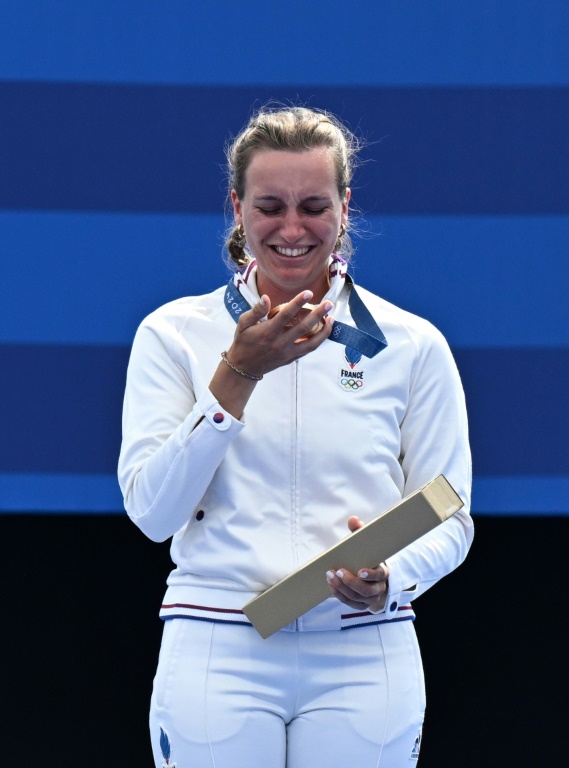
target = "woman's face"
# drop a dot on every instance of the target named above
(291, 213)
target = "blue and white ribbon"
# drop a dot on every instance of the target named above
(367, 337)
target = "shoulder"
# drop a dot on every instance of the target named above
(170, 329)
(400, 323)
(176, 315)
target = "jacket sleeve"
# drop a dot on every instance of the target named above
(172, 442)
(434, 440)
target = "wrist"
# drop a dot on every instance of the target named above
(238, 370)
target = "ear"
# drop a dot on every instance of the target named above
(345, 205)
(236, 208)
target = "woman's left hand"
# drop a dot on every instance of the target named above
(366, 591)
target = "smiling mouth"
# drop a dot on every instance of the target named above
(291, 251)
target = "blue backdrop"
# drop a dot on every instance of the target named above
(113, 120)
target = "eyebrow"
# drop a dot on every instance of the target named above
(310, 199)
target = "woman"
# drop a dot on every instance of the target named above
(257, 439)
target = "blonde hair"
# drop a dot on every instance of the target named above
(293, 129)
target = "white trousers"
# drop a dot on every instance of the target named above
(225, 698)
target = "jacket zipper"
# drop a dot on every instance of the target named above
(295, 444)
(295, 490)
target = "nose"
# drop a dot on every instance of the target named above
(292, 227)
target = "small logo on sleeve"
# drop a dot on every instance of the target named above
(416, 747)
(166, 749)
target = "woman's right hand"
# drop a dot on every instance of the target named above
(260, 347)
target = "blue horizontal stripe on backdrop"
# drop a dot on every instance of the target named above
(62, 407)
(521, 495)
(160, 148)
(91, 278)
(413, 42)
(84, 279)
(56, 493)
(74, 493)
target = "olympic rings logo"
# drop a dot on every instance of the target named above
(351, 383)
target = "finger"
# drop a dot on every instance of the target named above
(313, 323)
(356, 588)
(346, 584)
(379, 573)
(354, 524)
(357, 605)
(354, 600)
(285, 314)
(256, 313)
(340, 591)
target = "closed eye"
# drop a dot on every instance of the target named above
(277, 211)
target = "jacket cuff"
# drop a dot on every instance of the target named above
(216, 415)
(398, 594)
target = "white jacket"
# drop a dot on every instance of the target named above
(249, 501)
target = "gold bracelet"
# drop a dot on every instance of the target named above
(238, 370)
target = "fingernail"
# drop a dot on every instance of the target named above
(328, 306)
(364, 575)
(262, 302)
(329, 575)
(340, 574)
(307, 295)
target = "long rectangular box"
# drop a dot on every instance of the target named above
(380, 539)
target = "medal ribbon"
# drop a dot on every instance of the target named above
(367, 338)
